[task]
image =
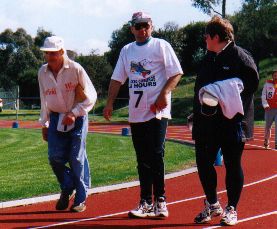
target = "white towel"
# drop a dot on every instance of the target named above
(228, 94)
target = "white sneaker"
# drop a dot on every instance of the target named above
(78, 207)
(160, 208)
(143, 210)
(230, 216)
(210, 210)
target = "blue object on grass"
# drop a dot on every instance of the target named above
(125, 132)
(15, 125)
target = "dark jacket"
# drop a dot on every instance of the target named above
(232, 62)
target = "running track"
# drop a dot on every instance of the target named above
(257, 207)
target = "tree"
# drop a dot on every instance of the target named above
(16, 56)
(192, 45)
(98, 69)
(256, 27)
(38, 41)
(170, 33)
(119, 38)
(208, 6)
(20, 59)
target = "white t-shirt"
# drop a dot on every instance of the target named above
(148, 68)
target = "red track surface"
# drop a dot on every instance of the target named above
(257, 207)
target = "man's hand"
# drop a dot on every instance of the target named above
(69, 119)
(267, 108)
(80, 95)
(44, 132)
(107, 112)
(161, 101)
(112, 93)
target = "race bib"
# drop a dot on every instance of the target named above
(138, 99)
(269, 94)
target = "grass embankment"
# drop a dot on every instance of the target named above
(25, 171)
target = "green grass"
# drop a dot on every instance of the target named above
(22, 114)
(25, 171)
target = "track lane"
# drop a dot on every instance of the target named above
(258, 200)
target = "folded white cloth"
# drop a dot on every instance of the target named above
(209, 100)
(64, 128)
(228, 94)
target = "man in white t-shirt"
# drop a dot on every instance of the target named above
(153, 71)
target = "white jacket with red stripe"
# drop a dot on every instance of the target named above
(269, 95)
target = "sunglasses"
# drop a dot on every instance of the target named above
(140, 26)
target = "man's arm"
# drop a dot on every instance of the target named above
(264, 101)
(44, 112)
(112, 94)
(172, 82)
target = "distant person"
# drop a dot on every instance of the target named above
(67, 95)
(269, 102)
(153, 71)
(1, 105)
(223, 117)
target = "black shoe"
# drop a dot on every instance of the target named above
(63, 202)
(266, 144)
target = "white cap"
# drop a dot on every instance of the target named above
(209, 100)
(52, 44)
(140, 17)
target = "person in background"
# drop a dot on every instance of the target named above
(212, 130)
(269, 102)
(67, 95)
(153, 71)
(1, 105)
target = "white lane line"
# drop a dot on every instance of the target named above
(261, 147)
(125, 212)
(82, 220)
(247, 219)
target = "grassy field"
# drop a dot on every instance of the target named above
(25, 171)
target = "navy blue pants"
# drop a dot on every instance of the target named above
(67, 157)
(149, 143)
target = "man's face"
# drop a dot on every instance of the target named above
(53, 58)
(142, 31)
(274, 76)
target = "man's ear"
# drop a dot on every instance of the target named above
(132, 29)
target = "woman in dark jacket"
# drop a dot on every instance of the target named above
(211, 132)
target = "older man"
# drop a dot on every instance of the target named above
(67, 95)
(153, 71)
